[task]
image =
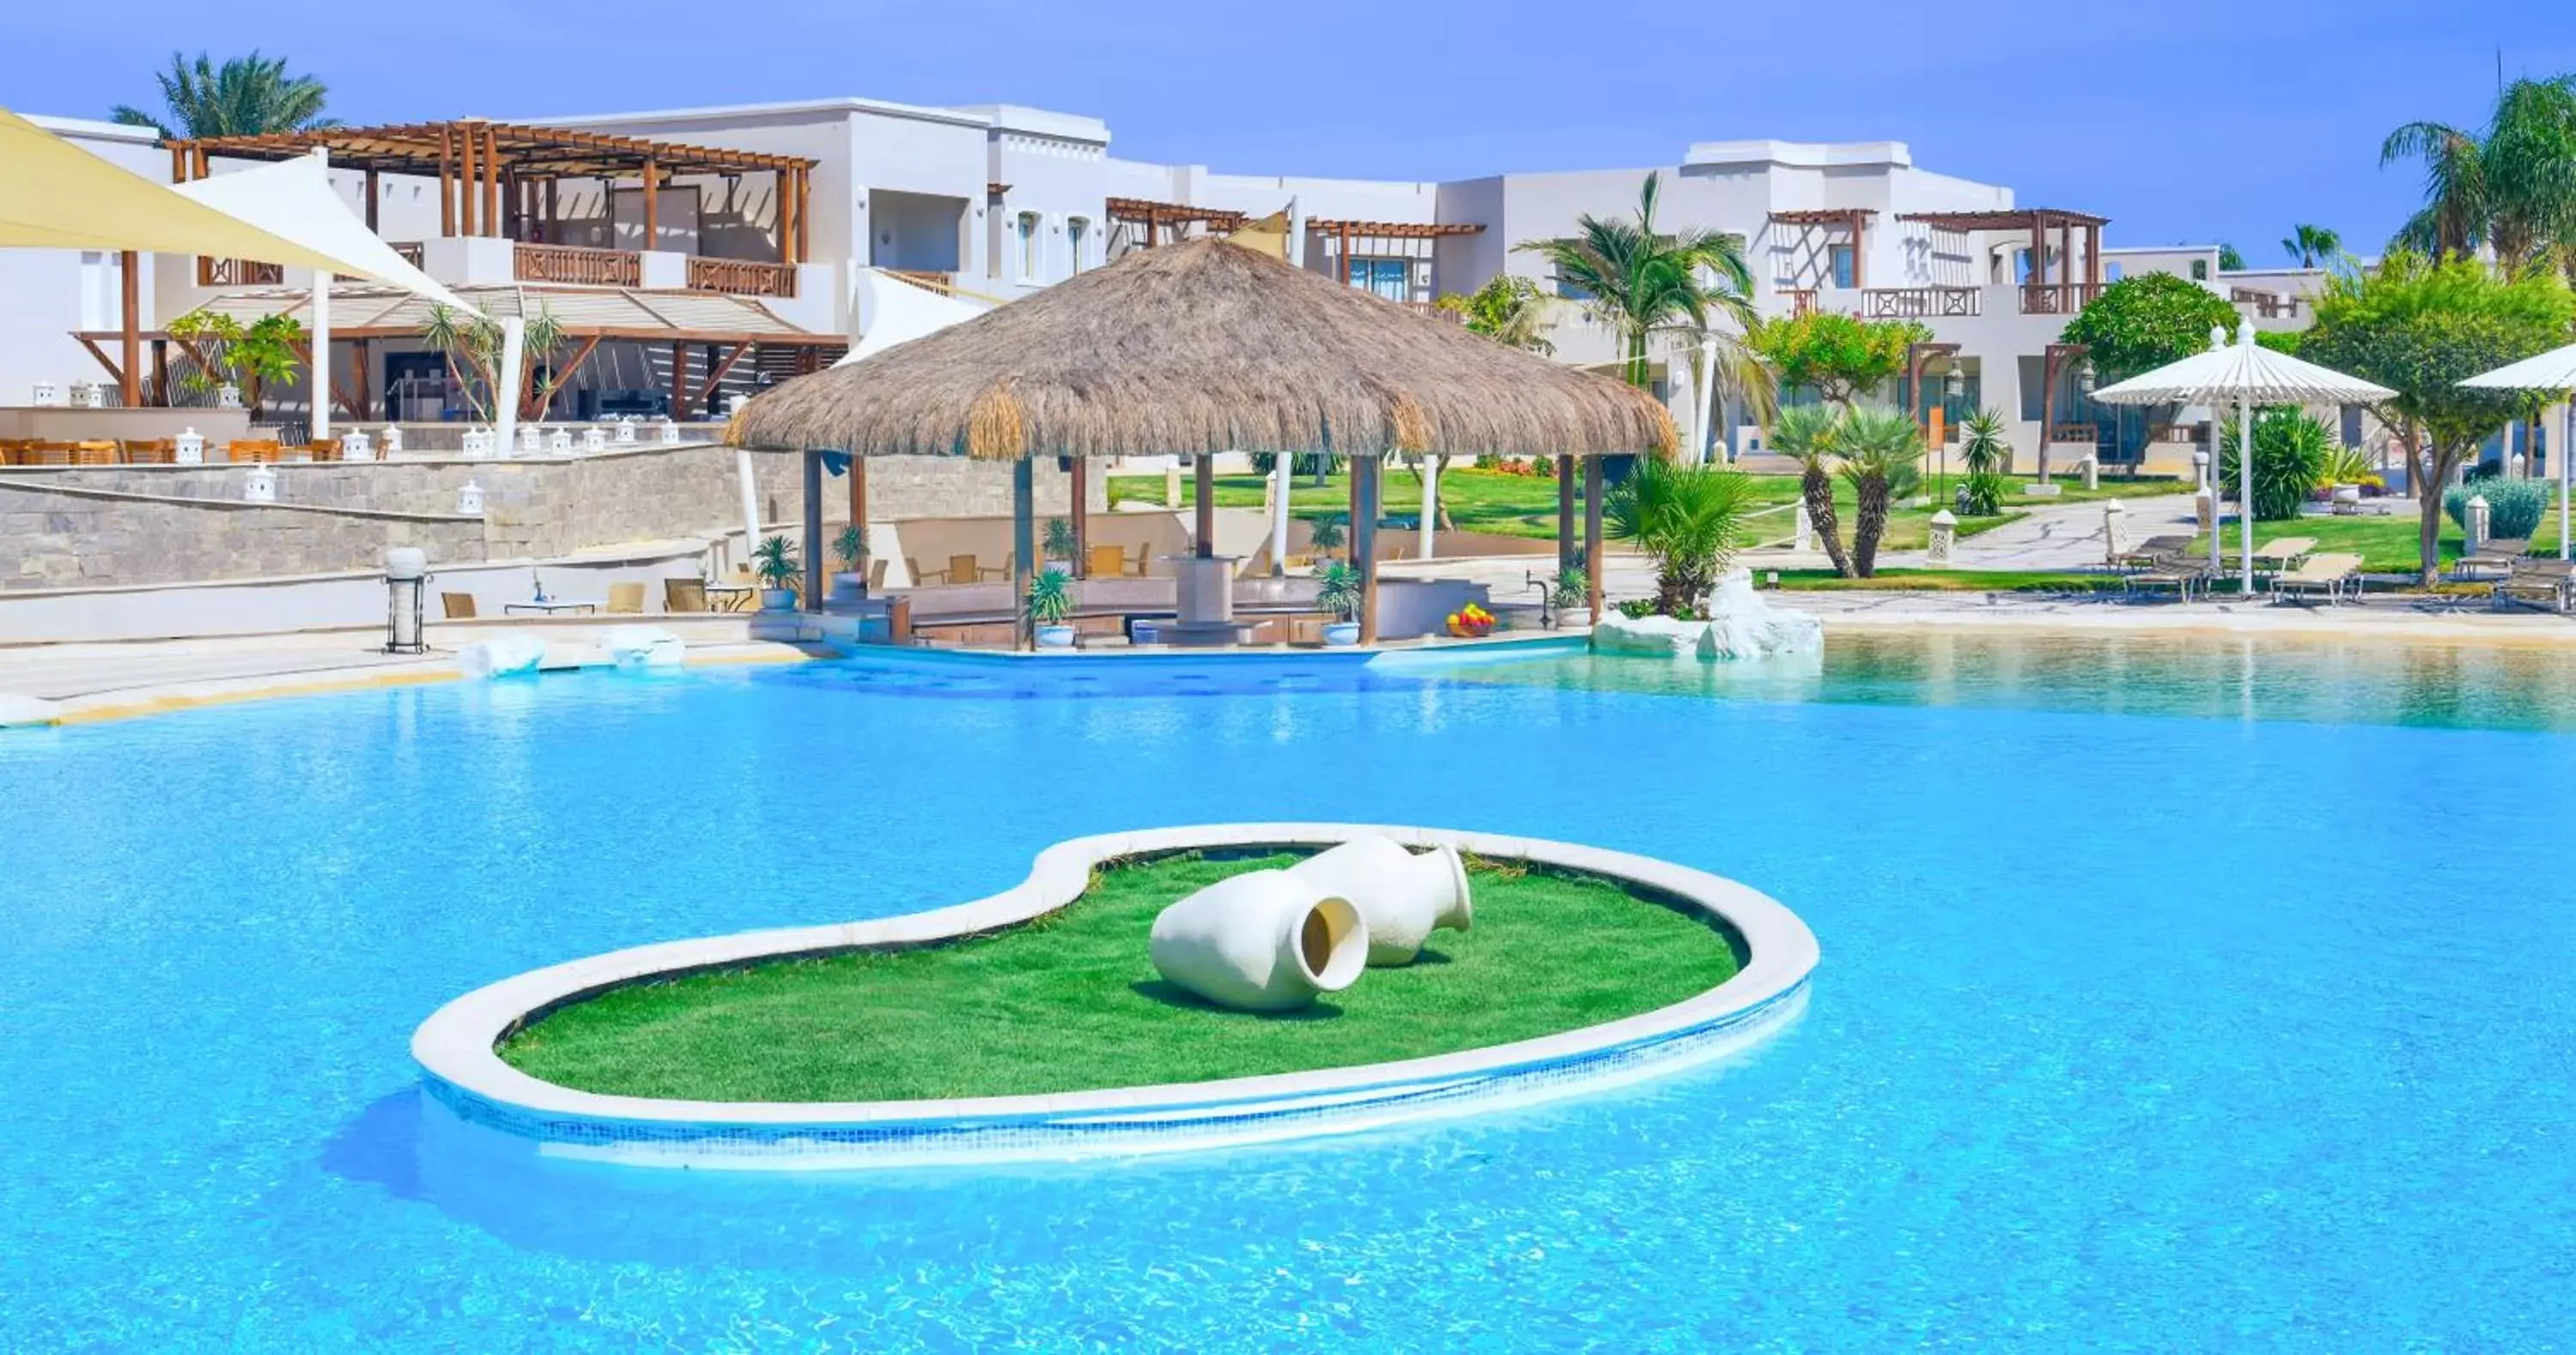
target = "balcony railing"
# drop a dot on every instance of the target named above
(1802, 300)
(2087, 433)
(741, 277)
(238, 273)
(2265, 305)
(2057, 298)
(413, 252)
(943, 283)
(1907, 303)
(579, 266)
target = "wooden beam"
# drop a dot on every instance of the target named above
(1203, 485)
(446, 183)
(652, 203)
(1564, 513)
(1364, 476)
(374, 195)
(813, 532)
(465, 181)
(491, 182)
(804, 214)
(129, 276)
(161, 373)
(717, 371)
(1024, 546)
(859, 511)
(361, 399)
(1860, 252)
(679, 379)
(1593, 563)
(1081, 514)
(101, 354)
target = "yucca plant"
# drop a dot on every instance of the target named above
(1688, 519)
(1878, 448)
(1807, 433)
(1985, 448)
(2290, 453)
(1050, 598)
(1340, 593)
(1059, 539)
(775, 562)
(851, 547)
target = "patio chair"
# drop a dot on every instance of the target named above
(1144, 559)
(2552, 581)
(919, 576)
(876, 575)
(151, 451)
(42, 452)
(2176, 573)
(2497, 556)
(96, 452)
(1108, 562)
(2155, 551)
(684, 595)
(2331, 574)
(2284, 552)
(625, 599)
(458, 606)
(962, 569)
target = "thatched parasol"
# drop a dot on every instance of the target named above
(1203, 347)
(1200, 348)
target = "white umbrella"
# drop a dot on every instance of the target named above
(2554, 370)
(2251, 375)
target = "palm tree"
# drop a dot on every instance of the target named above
(2311, 245)
(1688, 519)
(1808, 432)
(2511, 189)
(245, 96)
(1645, 284)
(1877, 446)
(1509, 310)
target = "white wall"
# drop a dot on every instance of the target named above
(45, 294)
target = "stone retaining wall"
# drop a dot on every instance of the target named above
(113, 525)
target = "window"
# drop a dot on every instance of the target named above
(2200, 270)
(1077, 240)
(1032, 248)
(1570, 290)
(1389, 278)
(1839, 259)
(2113, 272)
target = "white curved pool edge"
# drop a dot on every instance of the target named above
(456, 1046)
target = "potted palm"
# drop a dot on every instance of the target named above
(851, 549)
(1340, 594)
(1050, 604)
(1326, 536)
(775, 564)
(1060, 546)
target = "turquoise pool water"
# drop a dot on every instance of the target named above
(2177, 995)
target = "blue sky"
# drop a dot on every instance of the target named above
(2182, 120)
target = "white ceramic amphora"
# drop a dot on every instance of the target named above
(1264, 940)
(1402, 897)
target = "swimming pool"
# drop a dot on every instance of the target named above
(2181, 993)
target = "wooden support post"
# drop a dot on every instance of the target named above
(859, 514)
(1364, 473)
(2066, 267)
(2038, 252)
(446, 181)
(679, 381)
(1564, 513)
(465, 153)
(1346, 254)
(129, 273)
(1592, 553)
(1081, 514)
(2093, 255)
(1024, 545)
(652, 204)
(554, 213)
(814, 531)
(161, 373)
(804, 214)
(1860, 255)
(2048, 408)
(491, 181)
(375, 194)
(1203, 481)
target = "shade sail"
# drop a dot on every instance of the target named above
(2554, 370)
(893, 312)
(55, 195)
(2243, 372)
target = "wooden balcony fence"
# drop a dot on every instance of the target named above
(579, 266)
(2266, 305)
(2057, 298)
(238, 273)
(1909, 303)
(741, 277)
(943, 283)
(2086, 433)
(1802, 300)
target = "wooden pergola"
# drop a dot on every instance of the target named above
(1152, 218)
(1344, 233)
(499, 178)
(2040, 295)
(1854, 221)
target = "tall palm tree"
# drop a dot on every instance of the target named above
(1646, 284)
(2311, 245)
(2510, 188)
(1808, 433)
(1876, 446)
(245, 96)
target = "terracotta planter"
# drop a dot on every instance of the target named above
(1266, 940)
(1402, 897)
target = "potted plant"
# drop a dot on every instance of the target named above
(1060, 547)
(1340, 594)
(1050, 605)
(851, 548)
(1571, 597)
(774, 562)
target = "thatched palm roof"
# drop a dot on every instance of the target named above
(1203, 347)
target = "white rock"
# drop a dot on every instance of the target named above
(1264, 940)
(645, 646)
(1650, 636)
(507, 656)
(1742, 625)
(18, 712)
(1401, 897)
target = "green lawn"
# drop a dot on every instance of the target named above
(1072, 1001)
(1524, 505)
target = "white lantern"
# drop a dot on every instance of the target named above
(89, 394)
(625, 432)
(393, 439)
(228, 396)
(532, 439)
(47, 393)
(469, 500)
(559, 442)
(670, 432)
(478, 443)
(354, 446)
(190, 448)
(260, 486)
(594, 439)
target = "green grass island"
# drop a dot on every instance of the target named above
(1071, 1002)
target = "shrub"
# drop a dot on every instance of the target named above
(1981, 494)
(1340, 593)
(2514, 507)
(1050, 598)
(2289, 460)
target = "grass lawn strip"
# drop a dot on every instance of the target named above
(1071, 1002)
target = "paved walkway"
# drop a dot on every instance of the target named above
(2060, 535)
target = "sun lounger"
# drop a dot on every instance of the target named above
(2331, 574)
(458, 606)
(625, 599)
(684, 595)
(2497, 556)
(2180, 575)
(2550, 581)
(2283, 553)
(1108, 562)
(2155, 551)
